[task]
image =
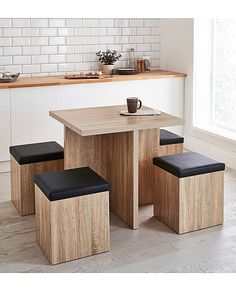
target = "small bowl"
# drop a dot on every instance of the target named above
(126, 71)
(9, 77)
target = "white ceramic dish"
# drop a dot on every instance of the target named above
(150, 112)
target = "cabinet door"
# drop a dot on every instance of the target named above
(4, 124)
(167, 95)
(119, 91)
(30, 120)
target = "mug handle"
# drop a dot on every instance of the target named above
(140, 104)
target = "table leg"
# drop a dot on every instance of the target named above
(148, 148)
(115, 158)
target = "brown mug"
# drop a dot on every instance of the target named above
(132, 104)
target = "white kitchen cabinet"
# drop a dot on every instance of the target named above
(167, 95)
(30, 120)
(4, 124)
(24, 112)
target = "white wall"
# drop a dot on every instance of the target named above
(177, 54)
(51, 46)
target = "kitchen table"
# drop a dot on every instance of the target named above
(119, 148)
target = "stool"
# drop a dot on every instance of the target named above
(170, 143)
(72, 214)
(27, 160)
(189, 191)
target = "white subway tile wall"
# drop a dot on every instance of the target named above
(45, 46)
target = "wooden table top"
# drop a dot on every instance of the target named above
(106, 120)
(60, 80)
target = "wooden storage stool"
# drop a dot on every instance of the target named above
(189, 191)
(26, 161)
(170, 143)
(72, 214)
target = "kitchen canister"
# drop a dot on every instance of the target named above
(140, 65)
(147, 63)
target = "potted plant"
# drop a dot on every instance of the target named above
(108, 59)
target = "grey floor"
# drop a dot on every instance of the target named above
(152, 248)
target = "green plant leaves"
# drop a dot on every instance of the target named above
(108, 57)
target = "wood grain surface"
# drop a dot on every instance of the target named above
(154, 248)
(169, 149)
(72, 228)
(115, 147)
(201, 201)
(148, 148)
(60, 80)
(43, 219)
(115, 158)
(22, 182)
(105, 120)
(191, 203)
(166, 198)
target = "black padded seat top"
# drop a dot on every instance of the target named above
(188, 164)
(31, 153)
(70, 183)
(167, 138)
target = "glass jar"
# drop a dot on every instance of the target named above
(4, 73)
(132, 64)
(147, 63)
(140, 65)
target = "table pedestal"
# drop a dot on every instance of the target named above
(124, 159)
(148, 148)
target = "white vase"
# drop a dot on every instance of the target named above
(107, 69)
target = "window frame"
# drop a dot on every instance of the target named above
(203, 84)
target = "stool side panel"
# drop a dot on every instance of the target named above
(27, 189)
(191, 194)
(202, 201)
(71, 234)
(170, 149)
(24, 192)
(166, 200)
(100, 231)
(45, 167)
(15, 184)
(43, 222)
(75, 231)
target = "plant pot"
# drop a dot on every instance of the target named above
(107, 69)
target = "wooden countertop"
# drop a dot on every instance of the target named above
(106, 120)
(60, 80)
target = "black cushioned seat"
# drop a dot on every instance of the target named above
(70, 183)
(188, 164)
(167, 138)
(31, 153)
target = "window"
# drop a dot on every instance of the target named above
(214, 107)
(224, 74)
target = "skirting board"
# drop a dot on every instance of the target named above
(4, 166)
(210, 150)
